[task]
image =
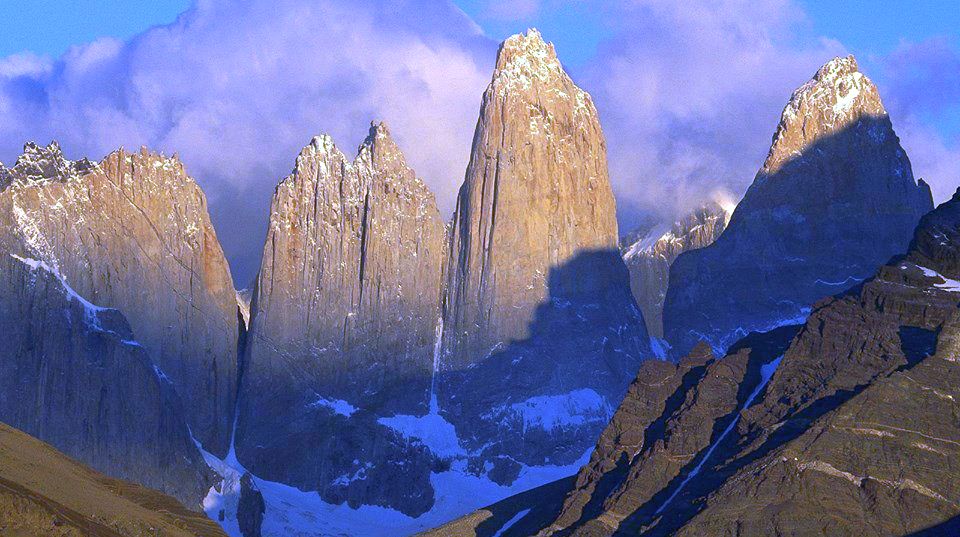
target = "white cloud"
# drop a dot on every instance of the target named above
(237, 88)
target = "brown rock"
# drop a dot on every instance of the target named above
(132, 233)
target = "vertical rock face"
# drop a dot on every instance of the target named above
(344, 320)
(835, 198)
(72, 374)
(538, 319)
(132, 233)
(536, 194)
(649, 257)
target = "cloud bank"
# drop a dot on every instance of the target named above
(237, 88)
(689, 95)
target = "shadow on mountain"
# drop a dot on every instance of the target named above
(544, 399)
(785, 248)
(763, 348)
(529, 511)
(916, 344)
(948, 527)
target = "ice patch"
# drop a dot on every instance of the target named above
(338, 406)
(570, 409)
(291, 512)
(766, 372)
(948, 285)
(510, 523)
(432, 430)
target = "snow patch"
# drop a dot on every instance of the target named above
(948, 284)
(565, 410)
(432, 430)
(510, 523)
(338, 406)
(766, 373)
(92, 310)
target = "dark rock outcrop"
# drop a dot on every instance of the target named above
(854, 433)
(343, 325)
(649, 255)
(250, 508)
(834, 199)
(72, 374)
(132, 233)
(537, 314)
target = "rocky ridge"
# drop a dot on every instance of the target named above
(132, 233)
(73, 375)
(649, 256)
(847, 427)
(834, 199)
(343, 324)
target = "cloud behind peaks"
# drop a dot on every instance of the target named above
(237, 88)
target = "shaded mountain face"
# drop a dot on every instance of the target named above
(834, 199)
(344, 320)
(72, 374)
(540, 333)
(44, 493)
(848, 427)
(648, 256)
(392, 361)
(132, 233)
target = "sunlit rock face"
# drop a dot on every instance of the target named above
(343, 327)
(540, 332)
(649, 256)
(835, 198)
(132, 233)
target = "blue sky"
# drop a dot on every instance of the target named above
(689, 93)
(867, 28)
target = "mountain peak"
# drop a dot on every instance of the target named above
(838, 67)
(838, 92)
(44, 163)
(524, 58)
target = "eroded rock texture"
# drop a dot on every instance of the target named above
(834, 199)
(854, 433)
(649, 257)
(537, 312)
(72, 374)
(344, 321)
(132, 233)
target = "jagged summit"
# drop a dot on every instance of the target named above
(834, 199)
(835, 98)
(526, 57)
(40, 163)
(378, 158)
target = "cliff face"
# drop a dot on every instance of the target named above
(649, 257)
(846, 427)
(72, 374)
(537, 316)
(132, 233)
(536, 194)
(834, 199)
(344, 320)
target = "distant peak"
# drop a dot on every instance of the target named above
(322, 143)
(378, 131)
(836, 68)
